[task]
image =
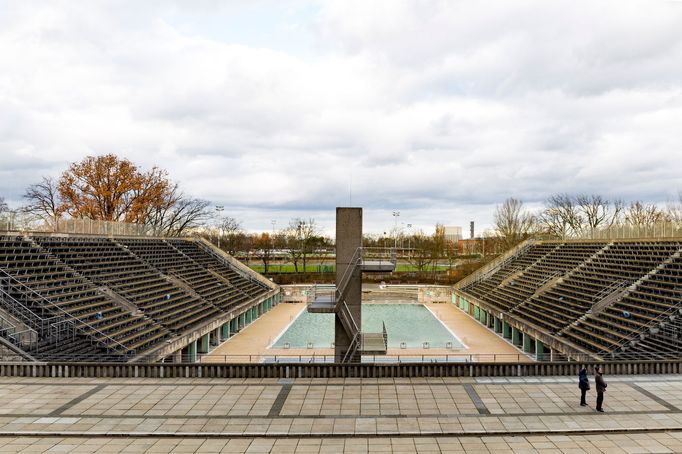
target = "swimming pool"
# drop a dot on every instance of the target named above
(411, 324)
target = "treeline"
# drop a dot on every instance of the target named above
(579, 216)
(296, 243)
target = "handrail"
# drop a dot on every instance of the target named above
(71, 318)
(348, 272)
(494, 265)
(616, 345)
(204, 246)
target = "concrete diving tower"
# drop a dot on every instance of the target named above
(345, 298)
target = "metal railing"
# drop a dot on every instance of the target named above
(624, 231)
(491, 267)
(16, 222)
(663, 318)
(407, 358)
(56, 325)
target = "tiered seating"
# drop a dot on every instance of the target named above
(37, 271)
(634, 287)
(211, 262)
(107, 264)
(165, 257)
(545, 270)
(488, 289)
(657, 296)
(621, 263)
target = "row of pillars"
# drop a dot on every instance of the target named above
(524, 341)
(212, 339)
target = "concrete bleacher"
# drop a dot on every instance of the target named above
(116, 298)
(609, 299)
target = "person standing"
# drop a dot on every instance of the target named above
(601, 387)
(583, 384)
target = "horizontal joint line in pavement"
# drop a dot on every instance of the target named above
(407, 434)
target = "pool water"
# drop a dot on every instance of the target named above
(410, 323)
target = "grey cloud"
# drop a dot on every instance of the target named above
(438, 108)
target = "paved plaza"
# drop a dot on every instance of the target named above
(525, 414)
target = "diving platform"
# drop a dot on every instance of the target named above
(373, 343)
(323, 304)
(377, 266)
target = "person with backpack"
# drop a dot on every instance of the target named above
(583, 384)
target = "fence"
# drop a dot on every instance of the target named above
(666, 229)
(82, 226)
(313, 358)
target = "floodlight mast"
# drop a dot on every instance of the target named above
(396, 214)
(219, 209)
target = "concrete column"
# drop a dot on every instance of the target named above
(177, 356)
(527, 343)
(192, 352)
(348, 240)
(539, 349)
(215, 337)
(204, 343)
(506, 330)
(516, 336)
(498, 325)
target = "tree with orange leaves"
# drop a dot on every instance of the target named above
(111, 189)
(108, 188)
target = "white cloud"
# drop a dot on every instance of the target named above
(438, 108)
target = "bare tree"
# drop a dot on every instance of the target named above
(675, 209)
(188, 213)
(305, 236)
(561, 216)
(43, 201)
(597, 212)
(294, 240)
(3, 205)
(231, 229)
(421, 253)
(512, 222)
(644, 215)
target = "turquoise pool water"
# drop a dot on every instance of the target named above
(409, 323)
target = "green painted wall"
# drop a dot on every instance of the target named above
(527, 341)
(516, 336)
(506, 330)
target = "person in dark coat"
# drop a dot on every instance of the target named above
(583, 384)
(601, 387)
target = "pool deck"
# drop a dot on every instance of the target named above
(252, 343)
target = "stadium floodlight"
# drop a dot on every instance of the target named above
(396, 214)
(219, 209)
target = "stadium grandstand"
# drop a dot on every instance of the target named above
(603, 300)
(85, 298)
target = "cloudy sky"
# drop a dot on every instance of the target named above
(439, 109)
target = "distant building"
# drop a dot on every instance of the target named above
(453, 233)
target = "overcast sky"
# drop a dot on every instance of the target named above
(274, 109)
